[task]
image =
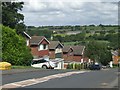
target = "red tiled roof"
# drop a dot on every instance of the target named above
(54, 44)
(35, 40)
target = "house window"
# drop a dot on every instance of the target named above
(27, 42)
(70, 53)
(43, 47)
(58, 50)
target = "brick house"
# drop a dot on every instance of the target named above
(55, 50)
(73, 53)
(27, 38)
(78, 53)
(115, 57)
(68, 53)
(39, 46)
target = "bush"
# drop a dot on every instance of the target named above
(79, 66)
(115, 65)
(14, 49)
(69, 66)
(76, 66)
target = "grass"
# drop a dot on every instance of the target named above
(69, 43)
(62, 35)
(21, 67)
(103, 41)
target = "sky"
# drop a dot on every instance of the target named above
(69, 12)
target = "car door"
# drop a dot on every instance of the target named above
(35, 64)
(41, 63)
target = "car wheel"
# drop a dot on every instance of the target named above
(44, 67)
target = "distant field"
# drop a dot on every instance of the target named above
(69, 43)
(79, 42)
(62, 35)
(102, 41)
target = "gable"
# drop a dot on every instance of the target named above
(26, 35)
(36, 40)
(44, 41)
(55, 44)
(59, 46)
(70, 50)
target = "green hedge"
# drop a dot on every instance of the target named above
(74, 66)
(14, 49)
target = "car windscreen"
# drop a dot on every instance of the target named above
(39, 61)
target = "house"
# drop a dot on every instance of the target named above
(68, 53)
(56, 54)
(55, 50)
(78, 53)
(39, 46)
(73, 53)
(115, 57)
(27, 37)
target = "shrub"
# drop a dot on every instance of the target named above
(14, 49)
(79, 66)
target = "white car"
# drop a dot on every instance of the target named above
(42, 63)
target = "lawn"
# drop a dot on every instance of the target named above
(21, 67)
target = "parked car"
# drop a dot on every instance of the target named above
(104, 67)
(95, 67)
(42, 63)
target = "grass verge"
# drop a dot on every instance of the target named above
(21, 67)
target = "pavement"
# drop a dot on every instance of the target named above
(30, 78)
(14, 75)
(33, 81)
(92, 79)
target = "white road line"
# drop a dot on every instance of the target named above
(40, 80)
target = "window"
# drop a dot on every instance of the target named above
(58, 50)
(27, 42)
(58, 55)
(39, 61)
(42, 61)
(43, 47)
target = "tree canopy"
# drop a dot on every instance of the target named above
(98, 52)
(11, 16)
(14, 49)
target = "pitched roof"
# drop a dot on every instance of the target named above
(66, 48)
(78, 50)
(115, 53)
(54, 44)
(36, 40)
(27, 35)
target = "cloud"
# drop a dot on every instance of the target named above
(51, 12)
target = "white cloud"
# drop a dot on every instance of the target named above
(51, 12)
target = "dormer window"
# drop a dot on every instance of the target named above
(43, 47)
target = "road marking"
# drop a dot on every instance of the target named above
(29, 82)
(113, 84)
(104, 84)
(105, 69)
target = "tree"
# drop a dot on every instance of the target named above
(11, 17)
(98, 52)
(14, 49)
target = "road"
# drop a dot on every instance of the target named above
(77, 79)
